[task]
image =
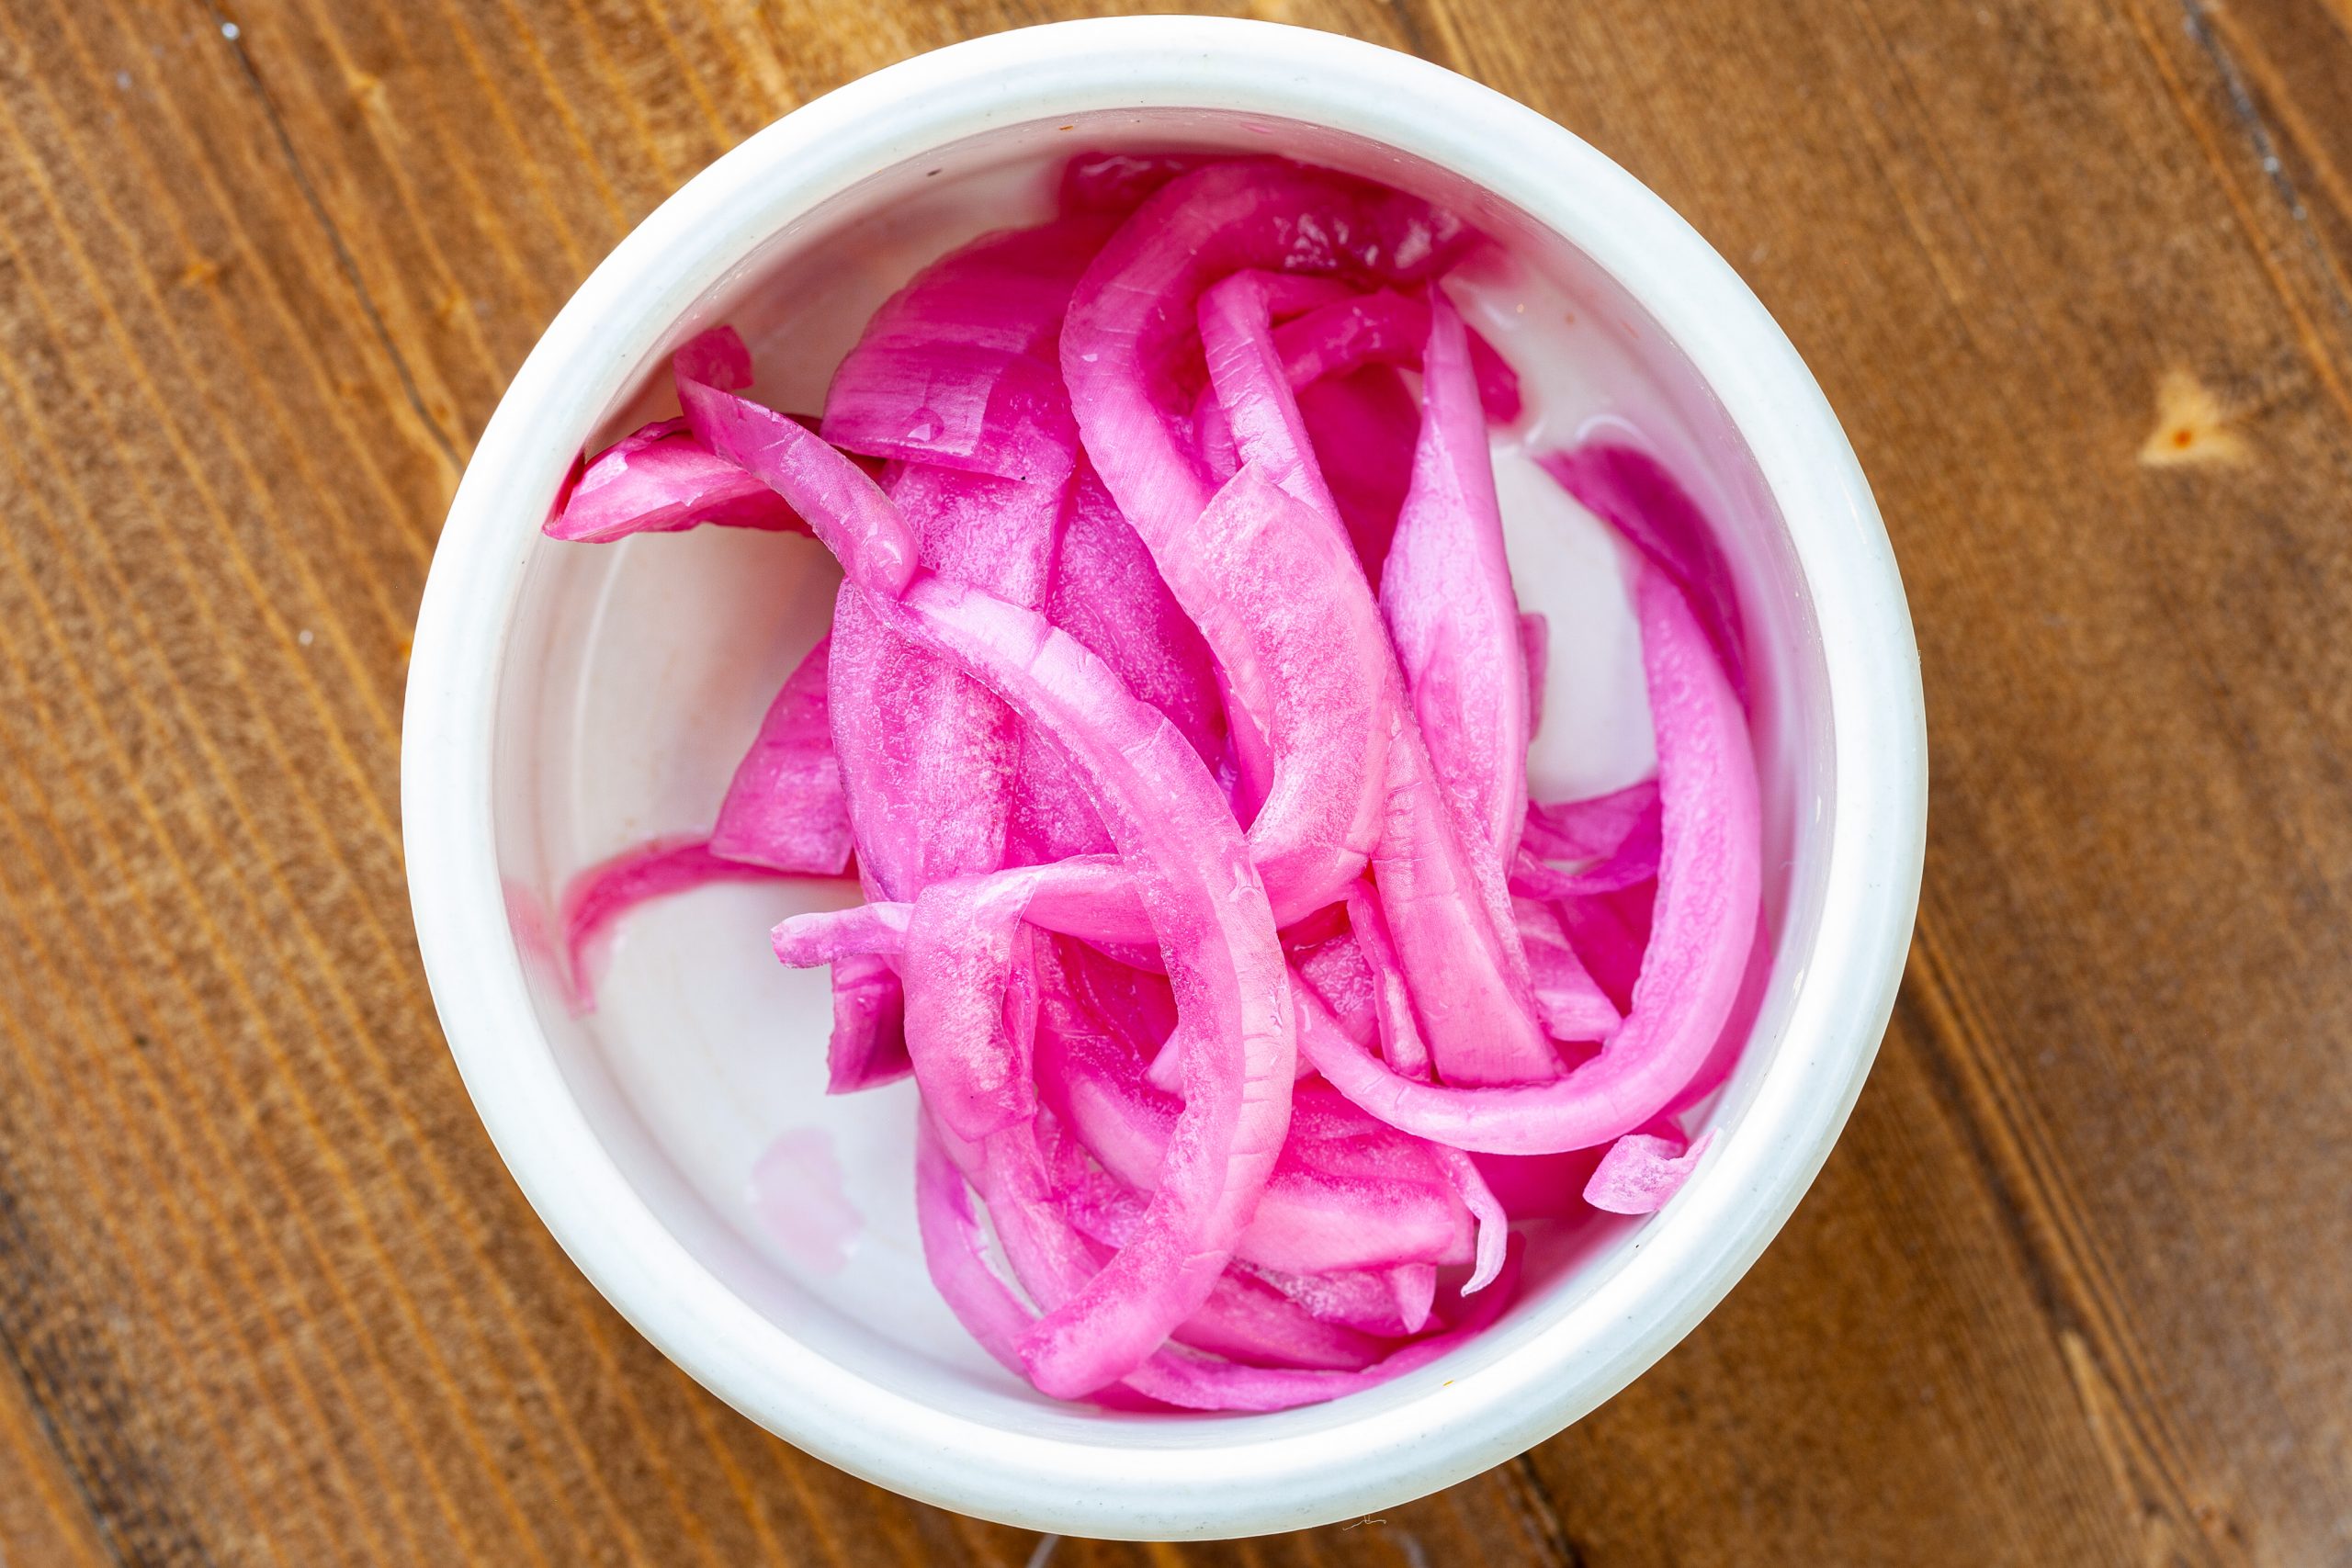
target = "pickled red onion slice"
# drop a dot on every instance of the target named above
(785, 807)
(1176, 714)
(1708, 890)
(1641, 1171)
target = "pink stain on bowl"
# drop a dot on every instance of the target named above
(535, 944)
(798, 1196)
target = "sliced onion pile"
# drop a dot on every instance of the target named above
(1174, 718)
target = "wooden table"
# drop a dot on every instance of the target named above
(2074, 1288)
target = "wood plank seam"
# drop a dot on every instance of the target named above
(99, 1520)
(2054, 1249)
(2200, 25)
(21, 1363)
(1538, 1516)
(2249, 60)
(2315, 348)
(96, 1518)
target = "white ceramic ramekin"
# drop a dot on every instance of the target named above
(627, 1130)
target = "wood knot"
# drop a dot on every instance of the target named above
(2193, 425)
(369, 94)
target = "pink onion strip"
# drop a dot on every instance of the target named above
(1709, 883)
(1177, 835)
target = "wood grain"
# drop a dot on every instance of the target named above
(2075, 1287)
(44, 1515)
